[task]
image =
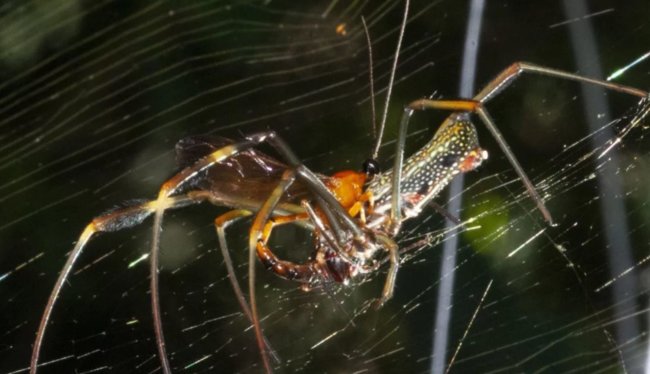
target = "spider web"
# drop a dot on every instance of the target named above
(94, 96)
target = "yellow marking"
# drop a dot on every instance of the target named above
(161, 203)
(170, 186)
(228, 216)
(224, 152)
(90, 229)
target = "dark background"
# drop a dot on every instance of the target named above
(94, 96)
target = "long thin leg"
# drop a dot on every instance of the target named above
(279, 267)
(254, 238)
(109, 222)
(250, 205)
(155, 294)
(514, 71)
(396, 197)
(327, 232)
(221, 223)
(443, 212)
(333, 221)
(532, 191)
(389, 285)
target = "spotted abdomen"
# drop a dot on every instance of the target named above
(453, 149)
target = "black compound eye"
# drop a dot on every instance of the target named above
(371, 167)
(448, 160)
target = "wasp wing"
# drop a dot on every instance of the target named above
(250, 175)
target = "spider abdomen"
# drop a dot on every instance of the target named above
(453, 149)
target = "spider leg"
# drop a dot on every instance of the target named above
(258, 238)
(443, 212)
(254, 237)
(389, 286)
(221, 223)
(532, 191)
(249, 205)
(327, 233)
(109, 222)
(336, 229)
(262, 228)
(514, 71)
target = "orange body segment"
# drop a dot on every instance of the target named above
(347, 187)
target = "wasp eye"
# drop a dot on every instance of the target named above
(371, 167)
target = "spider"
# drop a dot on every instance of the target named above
(354, 215)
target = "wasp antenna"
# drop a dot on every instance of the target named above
(375, 152)
(372, 79)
